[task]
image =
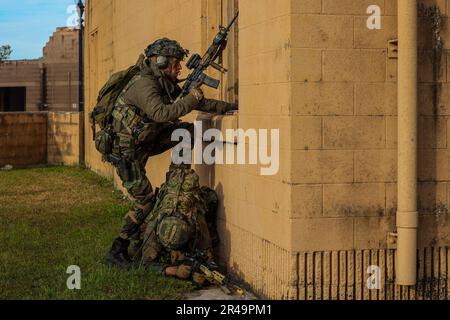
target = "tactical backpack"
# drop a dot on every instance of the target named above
(107, 97)
(178, 219)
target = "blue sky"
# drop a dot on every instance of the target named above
(26, 25)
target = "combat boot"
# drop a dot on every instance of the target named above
(118, 255)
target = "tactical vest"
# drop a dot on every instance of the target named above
(124, 127)
(106, 101)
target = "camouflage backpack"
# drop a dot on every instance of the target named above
(178, 219)
(107, 97)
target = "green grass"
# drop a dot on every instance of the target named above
(55, 217)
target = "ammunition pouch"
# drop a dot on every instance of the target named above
(127, 146)
(119, 163)
(100, 115)
(146, 131)
(104, 141)
(92, 121)
(105, 144)
(130, 122)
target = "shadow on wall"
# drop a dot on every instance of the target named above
(223, 251)
(432, 135)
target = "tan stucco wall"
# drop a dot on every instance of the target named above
(312, 69)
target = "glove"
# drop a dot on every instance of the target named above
(184, 272)
(231, 108)
(176, 256)
(197, 93)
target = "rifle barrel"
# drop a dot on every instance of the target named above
(232, 22)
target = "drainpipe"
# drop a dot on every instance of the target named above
(43, 93)
(407, 215)
(81, 8)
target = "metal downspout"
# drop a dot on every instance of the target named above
(407, 214)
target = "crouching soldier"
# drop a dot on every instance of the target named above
(179, 226)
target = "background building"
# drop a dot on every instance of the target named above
(49, 83)
(314, 70)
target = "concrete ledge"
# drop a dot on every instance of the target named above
(221, 123)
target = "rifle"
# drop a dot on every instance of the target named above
(199, 64)
(199, 262)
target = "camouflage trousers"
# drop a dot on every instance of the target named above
(134, 178)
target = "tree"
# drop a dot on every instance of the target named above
(5, 52)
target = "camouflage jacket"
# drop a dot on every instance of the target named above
(154, 94)
(147, 105)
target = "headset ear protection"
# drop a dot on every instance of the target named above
(162, 62)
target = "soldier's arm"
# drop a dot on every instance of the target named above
(216, 106)
(145, 95)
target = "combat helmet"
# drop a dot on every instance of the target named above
(166, 48)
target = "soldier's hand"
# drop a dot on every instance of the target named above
(232, 107)
(180, 272)
(170, 271)
(197, 93)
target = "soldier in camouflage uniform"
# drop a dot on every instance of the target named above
(180, 224)
(144, 117)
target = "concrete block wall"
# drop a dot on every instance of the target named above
(39, 138)
(63, 138)
(23, 73)
(344, 162)
(60, 56)
(257, 209)
(352, 101)
(23, 139)
(62, 46)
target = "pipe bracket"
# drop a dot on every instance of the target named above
(393, 49)
(391, 240)
(407, 219)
